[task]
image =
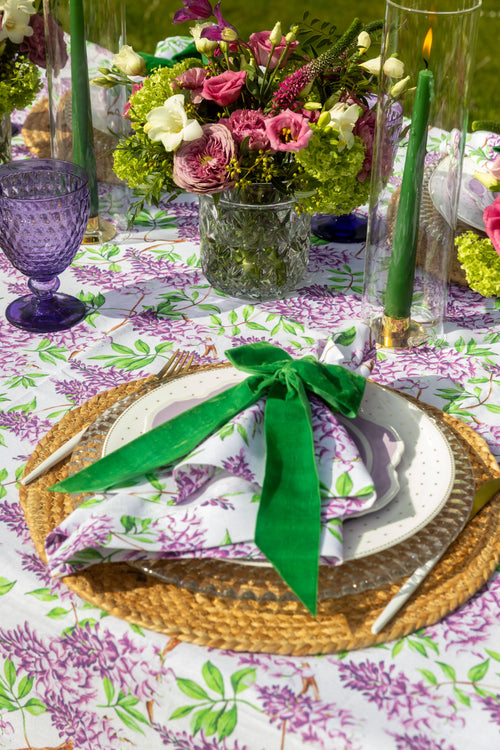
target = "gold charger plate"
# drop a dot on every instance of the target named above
(272, 626)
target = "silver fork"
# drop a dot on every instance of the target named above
(178, 363)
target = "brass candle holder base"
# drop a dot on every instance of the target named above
(98, 230)
(398, 333)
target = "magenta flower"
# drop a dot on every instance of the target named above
(251, 124)
(261, 48)
(225, 88)
(193, 10)
(491, 218)
(136, 87)
(288, 131)
(365, 129)
(201, 166)
(192, 80)
(223, 31)
(34, 46)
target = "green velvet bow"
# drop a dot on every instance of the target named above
(288, 520)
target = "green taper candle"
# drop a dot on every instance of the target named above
(83, 136)
(399, 291)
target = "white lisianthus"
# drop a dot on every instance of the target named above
(203, 46)
(170, 124)
(364, 42)
(15, 20)
(372, 65)
(129, 62)
(394, 68)
(343, 118)
(276, 34)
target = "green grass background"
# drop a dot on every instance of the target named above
(148, 22)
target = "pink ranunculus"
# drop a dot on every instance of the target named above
(225, 88)
(261, 48)
(251, 124)
(491, 218)
(192, 80)
(200, 166)
(288, 131)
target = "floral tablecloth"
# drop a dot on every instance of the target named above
(73, 676)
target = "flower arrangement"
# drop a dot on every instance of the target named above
(290, 110)
(478, 256)
(22, 52)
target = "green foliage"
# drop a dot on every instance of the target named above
(19, 80)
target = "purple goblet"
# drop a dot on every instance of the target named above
(44, 210)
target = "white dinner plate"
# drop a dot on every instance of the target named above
(426, 471)
(473, 199)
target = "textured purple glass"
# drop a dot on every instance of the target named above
(44, 211)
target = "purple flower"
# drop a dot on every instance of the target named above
(202, 166)
(194, 10)
(223, 31)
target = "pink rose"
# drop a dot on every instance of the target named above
(251, 124)
(491, 218)
(200, 166)
(192, 80)
(225, 88)
(261, 48)
(288, 131)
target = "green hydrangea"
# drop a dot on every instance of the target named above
(480, 262)
(156, 89)
(19, 83)
(332, 174)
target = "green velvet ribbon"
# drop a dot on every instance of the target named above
(288, 521)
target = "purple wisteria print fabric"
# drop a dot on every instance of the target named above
(74, 676)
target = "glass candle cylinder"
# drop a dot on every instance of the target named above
(425, 70)
(85, 120)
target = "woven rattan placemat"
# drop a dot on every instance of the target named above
(268, 626)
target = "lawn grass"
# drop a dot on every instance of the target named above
(149, 22)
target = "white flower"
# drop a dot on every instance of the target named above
(399, 87)
(343, 118)
(364, 42)
(129, 62)
(203, 46)
(15, 20)
(170, 124)
(394, 68)
(275, 35)
(372, 66)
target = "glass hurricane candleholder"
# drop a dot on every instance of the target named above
(44, 210)
(426, 63)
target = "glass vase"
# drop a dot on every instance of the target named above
(414, 197)
(5, 138)
(99, 38)
(254, 243)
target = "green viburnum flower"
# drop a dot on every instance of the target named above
(156, 90)
(19, 83)
(480, 262)
(332, 174)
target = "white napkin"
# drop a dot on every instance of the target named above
(207, 506)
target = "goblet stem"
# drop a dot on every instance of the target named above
(44, 288)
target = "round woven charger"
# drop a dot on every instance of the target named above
(265, 626)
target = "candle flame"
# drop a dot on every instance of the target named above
(427, 45)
